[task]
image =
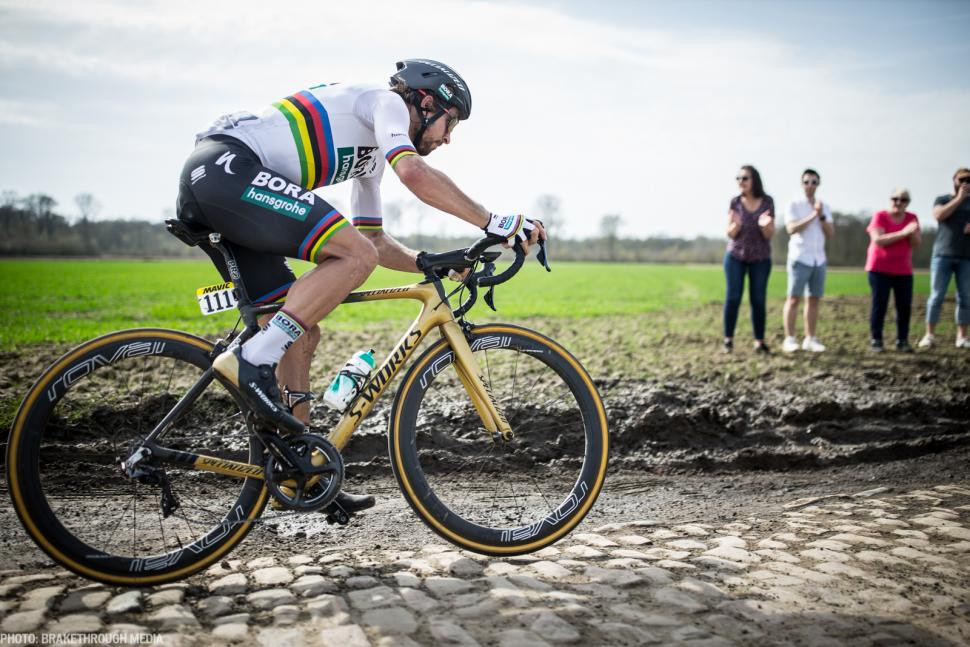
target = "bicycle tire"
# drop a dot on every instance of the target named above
(65, 500)
(420, 446)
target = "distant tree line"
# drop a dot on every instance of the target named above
(31, 226)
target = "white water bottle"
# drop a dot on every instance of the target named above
(349, 380)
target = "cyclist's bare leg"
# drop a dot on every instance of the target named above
(348, 259)
(293, 371)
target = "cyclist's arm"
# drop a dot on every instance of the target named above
(431, 186)
(436, 189)
(392, 253)
(365, 202)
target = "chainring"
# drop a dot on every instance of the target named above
(311, 484)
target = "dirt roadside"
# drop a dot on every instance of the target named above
(695, 434)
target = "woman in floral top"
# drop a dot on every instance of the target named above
(751, 224)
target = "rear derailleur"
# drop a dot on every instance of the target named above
(134, 467)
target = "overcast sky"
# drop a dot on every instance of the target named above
(644, 109)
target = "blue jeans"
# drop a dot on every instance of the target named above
(941, 268)
(734, 271)
(902, 288)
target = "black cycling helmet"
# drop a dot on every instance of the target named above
(442, 81)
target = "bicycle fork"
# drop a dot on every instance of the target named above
(470, 373)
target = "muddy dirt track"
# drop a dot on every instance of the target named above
(676, 404)
(680, 410)
(724, 445)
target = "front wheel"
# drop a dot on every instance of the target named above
(489, 495)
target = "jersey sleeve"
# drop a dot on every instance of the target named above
(391, 123)
(365, 203)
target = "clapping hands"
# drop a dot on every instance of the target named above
(963, 191)
(765, 219)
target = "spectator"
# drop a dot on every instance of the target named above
(951, 255)
(892, 236)
(751, 224)
(810, 223)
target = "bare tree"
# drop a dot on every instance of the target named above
(549, 206)
(609, 226)
(87, 205)
(42, 207)
(89, 208)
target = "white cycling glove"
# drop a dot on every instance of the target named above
(511, 228)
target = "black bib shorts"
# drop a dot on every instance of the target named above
(263, 217)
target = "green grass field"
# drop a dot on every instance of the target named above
(67, 301)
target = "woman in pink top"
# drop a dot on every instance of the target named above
(892, 234)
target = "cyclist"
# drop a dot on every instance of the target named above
(251, 178)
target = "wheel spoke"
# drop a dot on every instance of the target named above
(511, 485)
(97, 419)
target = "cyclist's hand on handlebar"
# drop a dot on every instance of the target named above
(537, 233)
(516, 229)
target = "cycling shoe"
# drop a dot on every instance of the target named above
(259, 389)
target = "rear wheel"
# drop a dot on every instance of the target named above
(483, 493)
(85, 415)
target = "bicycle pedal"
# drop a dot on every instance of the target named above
(338, 516)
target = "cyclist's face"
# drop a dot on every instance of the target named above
(439, 131)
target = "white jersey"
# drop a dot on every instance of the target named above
(808, 245)
(326, 135)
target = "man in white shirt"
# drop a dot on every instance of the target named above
(809, 223)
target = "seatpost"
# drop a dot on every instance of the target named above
(245, 306)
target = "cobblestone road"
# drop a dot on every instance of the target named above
(864, 568)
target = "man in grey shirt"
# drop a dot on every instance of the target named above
(951, 256)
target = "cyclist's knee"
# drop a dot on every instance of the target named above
(366, 255)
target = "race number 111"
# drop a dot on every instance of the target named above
(216, 298)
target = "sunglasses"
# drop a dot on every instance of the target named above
(963, 180)
(743, 178)
(452, 120)
(812, 182)
(901, 200)
(443, 112)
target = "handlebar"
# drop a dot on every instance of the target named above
(484, 277)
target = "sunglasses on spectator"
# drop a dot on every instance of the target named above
(743, 178)
(902, 200)
(811, 181)
(963, 180)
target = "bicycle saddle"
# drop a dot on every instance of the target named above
(188, 233)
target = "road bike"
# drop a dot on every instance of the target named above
(131, 462)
